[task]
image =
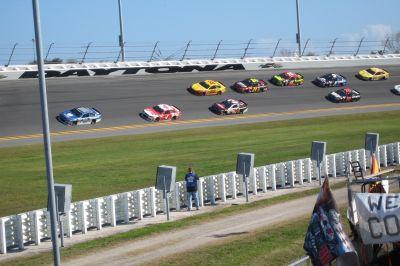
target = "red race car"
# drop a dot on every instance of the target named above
(161, 112)
(250, 85)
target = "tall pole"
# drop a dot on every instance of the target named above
(46, 132)
(298, 39)
(121, 32)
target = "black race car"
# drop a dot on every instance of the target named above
(228, 107)
(250, 85)
(330, 80)
(344, 95)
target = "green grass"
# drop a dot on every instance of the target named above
(99, 167)
(277, 245)
(117, 239)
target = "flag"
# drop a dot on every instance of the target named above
(374, 164)
(325, 238)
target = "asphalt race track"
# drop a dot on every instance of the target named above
(120, 99)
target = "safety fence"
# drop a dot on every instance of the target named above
(31, 228)
(57, 53)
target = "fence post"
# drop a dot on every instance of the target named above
(222, 187)
(273, 176)
(300, 171)
(290, 173)
(12, 53)
(3, 242)
(84, 55)
(216, 50)
(304, 48)
(98, 213)
(48, 52)
(186, 49)
(200, 191)
(308, 170)
(140, 204)
(119, 55)
(233, 184)
(359, 45)
(126, 207)
(247, 48)
(177, 197)
(276, 47)
(82, 206)
(153, 201)
(20, 232)
(154, 50)
(333, 44)
(263, 178)
(36, 226)
(112, 211)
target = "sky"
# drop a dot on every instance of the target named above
(147, 21)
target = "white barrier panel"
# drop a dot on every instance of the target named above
(31, 228)
(199, 65)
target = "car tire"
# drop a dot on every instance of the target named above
(204, 93)
(219, 93)
(75, 123)
(93, 122)
(173, 118)
(157, 119)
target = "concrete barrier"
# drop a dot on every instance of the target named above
(189, 66)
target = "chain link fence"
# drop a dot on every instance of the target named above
(24, 53)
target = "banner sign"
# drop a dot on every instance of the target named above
(379, 217)
(325, 239)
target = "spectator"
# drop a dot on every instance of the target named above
(191, 187)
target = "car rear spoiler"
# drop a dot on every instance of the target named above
(177, 108)
(243, 102)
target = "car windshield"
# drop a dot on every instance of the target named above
(204, 84)
(249, 82)
(370, 71)
(76, 112)
(158, 109)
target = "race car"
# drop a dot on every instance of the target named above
(228, 107)
(250, 85)
(161, 112)
(330, 80)
(344, 95)
(373, 73)
(207, 87)
(80, 116)
(396, 89)
(287, 79)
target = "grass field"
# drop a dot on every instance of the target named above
(99, 167)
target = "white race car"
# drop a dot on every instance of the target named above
(396, 89)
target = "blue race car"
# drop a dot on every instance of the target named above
(331, 80)
(80, 116)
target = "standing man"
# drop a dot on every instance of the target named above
(191, 187)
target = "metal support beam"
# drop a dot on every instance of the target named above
(305, 46)
(298, 38)
(119, 55)
(386, 43)
(247, 48)
(333, 44)
(216, 50)
(84, 55)
(154, 50)
(186, 49)
(276, 47)
(359, 45)
(46, 132)
(48, 52)
(12, 53)
(121, 32)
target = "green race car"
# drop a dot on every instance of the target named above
(287, 79)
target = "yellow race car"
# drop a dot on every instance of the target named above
(373, 73)
(207, 87)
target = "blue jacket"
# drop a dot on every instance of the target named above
(191, 182)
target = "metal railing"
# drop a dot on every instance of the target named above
(20, 53)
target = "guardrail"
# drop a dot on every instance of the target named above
(31, 228)
(196, 65)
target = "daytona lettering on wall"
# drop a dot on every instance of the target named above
(379, 217)
(131, 70)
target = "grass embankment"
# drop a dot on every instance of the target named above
(99, 167)
(117, 239)
(277, 245)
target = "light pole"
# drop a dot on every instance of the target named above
(46, 132)
(121, 32)
(298, 40)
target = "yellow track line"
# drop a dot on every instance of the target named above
(196, 121)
